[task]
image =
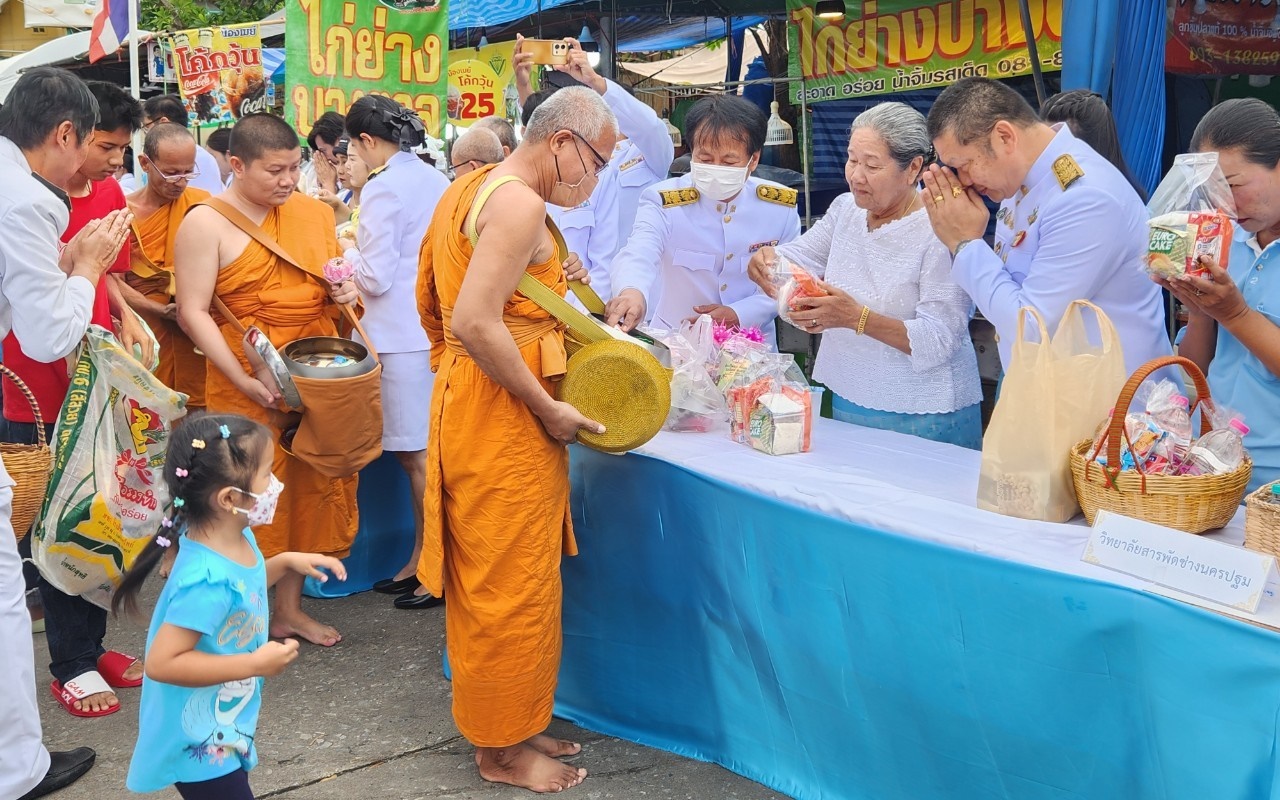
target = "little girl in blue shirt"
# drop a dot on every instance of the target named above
(207, 647)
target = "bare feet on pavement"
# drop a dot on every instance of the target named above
(286, 626)
(550, 746)
(521, 765)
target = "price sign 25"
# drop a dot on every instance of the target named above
(476, 105)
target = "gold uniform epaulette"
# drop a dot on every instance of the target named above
(1067, 171)
(777, 194)
(678, 197)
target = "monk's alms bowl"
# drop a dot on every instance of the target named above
(301, 357)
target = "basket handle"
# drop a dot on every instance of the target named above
(31, 401)
(1116, 432)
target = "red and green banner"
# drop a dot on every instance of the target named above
(894, 46)
(1223, 37)
(341, 50)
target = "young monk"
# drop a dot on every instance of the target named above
(169, 159)
(214, 257)
(497, 500)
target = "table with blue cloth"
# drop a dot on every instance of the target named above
(846, 624)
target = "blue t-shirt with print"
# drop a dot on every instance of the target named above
(189, 735)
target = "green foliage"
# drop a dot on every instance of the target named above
(174, 15)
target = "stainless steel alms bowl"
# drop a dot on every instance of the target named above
(296, 354)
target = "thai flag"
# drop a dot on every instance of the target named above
(110, 27)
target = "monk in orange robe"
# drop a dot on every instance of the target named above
(216, 258)
(168, 158)
(497, 499)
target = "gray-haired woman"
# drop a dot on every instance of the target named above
(896, 350)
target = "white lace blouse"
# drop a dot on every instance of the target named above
(899, 270)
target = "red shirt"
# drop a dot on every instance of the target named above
(49, 382)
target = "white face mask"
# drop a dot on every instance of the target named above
(718, 183)
(264, 505)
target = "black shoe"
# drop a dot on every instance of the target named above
(417, 601)
(397, 587)
(64, 770)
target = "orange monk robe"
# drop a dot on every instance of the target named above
(316, 514)
(181, 367)
(497, 499)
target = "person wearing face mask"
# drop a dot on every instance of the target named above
(497, 499)
(694, 235)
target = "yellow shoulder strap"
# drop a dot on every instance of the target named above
(477, 205)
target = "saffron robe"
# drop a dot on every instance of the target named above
(497, 498)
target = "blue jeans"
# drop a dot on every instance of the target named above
(74, 627)
(962, 427)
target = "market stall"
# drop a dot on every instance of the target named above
(845, 623)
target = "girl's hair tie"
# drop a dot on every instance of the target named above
(197, 444)
(224, 431)
(181, 473)
(163, 541)
(178, 502)
(167, 522)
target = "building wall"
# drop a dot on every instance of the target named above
(14, 38)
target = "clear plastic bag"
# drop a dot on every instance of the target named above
(794, 283)
(696, 403)
(1191, 213)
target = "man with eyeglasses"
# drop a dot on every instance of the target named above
(474, 149)
(169, 160)
(170, 108)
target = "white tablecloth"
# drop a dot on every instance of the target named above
(897, 483)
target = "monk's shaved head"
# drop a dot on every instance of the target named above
(477, 144)
(258, 134)
(164, 132)
(504, 130)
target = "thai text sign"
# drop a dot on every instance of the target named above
(341, 50)
(219, 72)
(904, 45)
(479, 78)
(1197, 566)
(1220, 37)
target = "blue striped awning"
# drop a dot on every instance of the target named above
(481, 13)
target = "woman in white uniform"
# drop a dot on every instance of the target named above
(395, 209)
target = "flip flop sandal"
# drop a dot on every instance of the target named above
(112, 665)
(90, 683)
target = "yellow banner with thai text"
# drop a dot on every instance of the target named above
(481, 84)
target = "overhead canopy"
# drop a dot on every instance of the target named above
(703, 66)
(498, 13)
(637, 34)
(72, 47)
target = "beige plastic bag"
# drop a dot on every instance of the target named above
(1055, 393)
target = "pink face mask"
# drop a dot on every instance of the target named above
(264, 505)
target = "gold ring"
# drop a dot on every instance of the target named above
(938, 199)
(956, 191)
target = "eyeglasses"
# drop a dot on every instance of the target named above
(470, 165)
(178, 178)
(601, 160)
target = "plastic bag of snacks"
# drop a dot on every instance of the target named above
(794, 283)
(1191, 213)
(696, 403)
(765, 391)
(106, 496)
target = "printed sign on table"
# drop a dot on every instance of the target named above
(478, 81)
(904, 45)
(1223, 37)
(341, 50)
(219, 72)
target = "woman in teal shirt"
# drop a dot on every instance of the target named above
(1233, 329)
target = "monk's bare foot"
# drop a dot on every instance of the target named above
(521, 765)
(284, 626)
(551, 746)
(134, 672)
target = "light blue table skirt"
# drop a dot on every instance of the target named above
(828, 660)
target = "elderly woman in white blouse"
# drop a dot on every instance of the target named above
(895, 349)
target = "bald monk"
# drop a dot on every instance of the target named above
(497, 500)
(169, 159)
(214, 257)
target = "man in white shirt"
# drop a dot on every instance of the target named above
(1070, 226)
(694, 235)
(46, 127)
(169, 108)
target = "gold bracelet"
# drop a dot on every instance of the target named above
(862, 321)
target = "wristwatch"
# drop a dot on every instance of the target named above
(961, 246)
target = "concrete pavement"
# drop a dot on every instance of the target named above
(370, 719)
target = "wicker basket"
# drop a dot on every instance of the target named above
(28, 464)
(1262, 522)
(1191, 503)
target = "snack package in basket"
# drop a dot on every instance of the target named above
(794, 283)
(106, 495)
(1191, 213)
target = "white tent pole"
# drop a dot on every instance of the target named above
(135, 79)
